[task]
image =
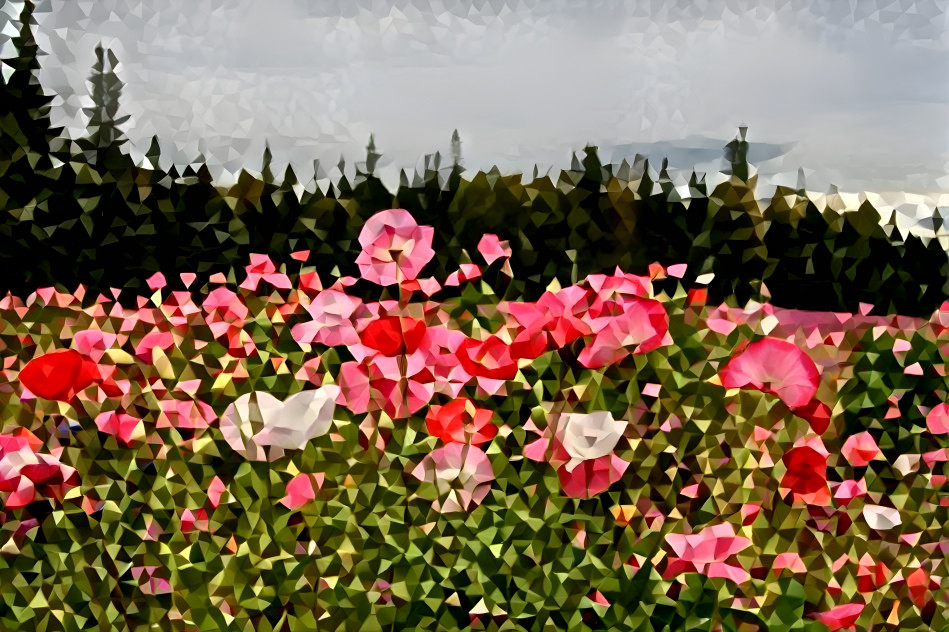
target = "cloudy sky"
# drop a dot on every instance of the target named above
(856, 93)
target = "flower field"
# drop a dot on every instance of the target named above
(278, 452)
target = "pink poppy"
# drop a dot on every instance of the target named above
(59, 375)
(93, 342)
(461, 474)
(363, 387)
(849, 490)
(937, 421)
(26, 476)
(860, 449)
(301, 490)
(333, 323)
(153, 340)
(774, 366)
(492, 248)
(844, 616)
(636, 325)
(460, 421)
(394, 247)
(122, 426)
(262, 268)
(708, 551)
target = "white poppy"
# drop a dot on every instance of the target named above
(881, 518)
(588, 435)
(259, 420)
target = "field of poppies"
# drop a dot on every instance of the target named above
(275, 452)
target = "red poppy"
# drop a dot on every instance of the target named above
(460, 421)
(59, 375)
(817, 415)
(491, 358)
(806, 470)
(394, 335)
(920, 586)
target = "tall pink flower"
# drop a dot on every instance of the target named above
(774, 366)
(394, 247)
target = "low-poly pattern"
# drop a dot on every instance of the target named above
(590, 402)
(202, 462)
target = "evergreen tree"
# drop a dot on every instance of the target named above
(104, 134)
(24, 108)
(266, 173)
(736, 153)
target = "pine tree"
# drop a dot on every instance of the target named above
(24, 108)
(372, 157)
(266, 173)
(104, 134)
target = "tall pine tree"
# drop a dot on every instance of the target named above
(104, 134)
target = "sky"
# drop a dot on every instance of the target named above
(854, 92)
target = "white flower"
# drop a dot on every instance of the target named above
(259, 420)
(881, 518)
(588, 435)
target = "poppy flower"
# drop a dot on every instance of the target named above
(774, 366)
(59, 375)
(860, 449)
(461, 474)
(393, 335)
(806, 470)
(844, 616)
(920, 585)
(816, 413)
(490, 358)
(259, 420)
(636, 325)
(394, 247)
(937, 421)
(460, 421)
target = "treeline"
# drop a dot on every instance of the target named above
(83, 212)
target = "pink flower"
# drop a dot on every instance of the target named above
(860, 449)
(333, 323)
(565, 448)
(394, 247)
(26, 475)
(850, 490)
(844, 616)
(709, 550)
(156, 339)
(300, 490)
(461, 474)
(774, 366)
(492, 248)
(363, 386)
(636, 324)
(122, 426)
(938, 419)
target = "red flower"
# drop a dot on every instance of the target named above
(817, 415)
(806, 470)
(844, 616)
(393, 335)
(59, 375)
(490, 358)
(920, 585)
(460, 421)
